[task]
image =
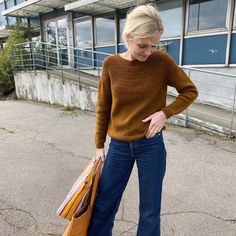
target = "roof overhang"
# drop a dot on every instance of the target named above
(35, 7)
(95, 7)
(5, 31)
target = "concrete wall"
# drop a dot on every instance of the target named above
(39, 88)
(213, 89)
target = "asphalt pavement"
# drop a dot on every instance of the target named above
(44, 148)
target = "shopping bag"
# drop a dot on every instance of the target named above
(80, 191)
(80, 219)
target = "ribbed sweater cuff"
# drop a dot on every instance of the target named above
(167, 112)
(99, 145)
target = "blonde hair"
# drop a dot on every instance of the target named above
(142, 22)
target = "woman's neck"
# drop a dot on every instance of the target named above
(126, 55)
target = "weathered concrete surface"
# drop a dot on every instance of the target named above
(44, 148)
(37, 87)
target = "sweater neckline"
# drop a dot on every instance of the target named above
(128, 62)
(133, 62)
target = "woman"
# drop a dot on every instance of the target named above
(132, 109)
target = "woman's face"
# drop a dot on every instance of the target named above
(141, 48)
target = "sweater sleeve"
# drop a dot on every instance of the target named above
(103, 107)
(177, 78)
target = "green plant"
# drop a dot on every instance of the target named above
(19, 34)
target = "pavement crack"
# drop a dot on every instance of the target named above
(127, 221)
(14, 217)
(6, 130)
(232, 221)
(128, 231)
(172, 230)
(53, 145)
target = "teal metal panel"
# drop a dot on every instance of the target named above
(205, 50)
(173, 48)
(99, 58)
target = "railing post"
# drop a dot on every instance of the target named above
(33, 57)
(13, 60)
(78, 68)
(186, 113)
(21, 57)
(97, 64)
(60, 59)
(232, 115)
(186, 118)
(46, 59)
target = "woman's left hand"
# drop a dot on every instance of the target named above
(158, 120)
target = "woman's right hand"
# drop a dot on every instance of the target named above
(100, 153)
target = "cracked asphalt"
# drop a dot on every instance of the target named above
(44, 148)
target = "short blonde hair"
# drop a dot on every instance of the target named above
(142, 22)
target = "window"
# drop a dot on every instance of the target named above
(234, 25)
(34, 22)
(171, 14)
(206, 14)
(122, 20)
(105, 30)
(83, 33)
(2, 18)
(10, 4)
(19, 1)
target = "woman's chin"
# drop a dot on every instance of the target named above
(142, 59)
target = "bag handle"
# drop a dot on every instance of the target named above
(95, 182)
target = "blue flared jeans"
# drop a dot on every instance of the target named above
(150, 157)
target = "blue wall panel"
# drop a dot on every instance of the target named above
(205, 50)
(100, 57)
(172, 49)
(121, 48)
(82, 58)
(233, 50)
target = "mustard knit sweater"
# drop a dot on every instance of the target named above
(130, 91)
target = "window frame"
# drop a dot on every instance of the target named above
(96, 44)
(234, 18)
(177, 36)
(4, 23)
(122, 12)
(82, 19)
(205, 31)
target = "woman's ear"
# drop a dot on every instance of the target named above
(127, 38)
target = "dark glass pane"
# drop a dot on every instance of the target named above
(2, 18)
(105, 30)
(83, 30)
(171, 12)
(19, 1)
(207, 14)
(212, 14)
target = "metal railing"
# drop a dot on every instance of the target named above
(70, 61)
(215, 104)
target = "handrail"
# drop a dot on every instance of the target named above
(69, 47)
(208, 71)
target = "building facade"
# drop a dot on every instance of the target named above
(197, 33)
